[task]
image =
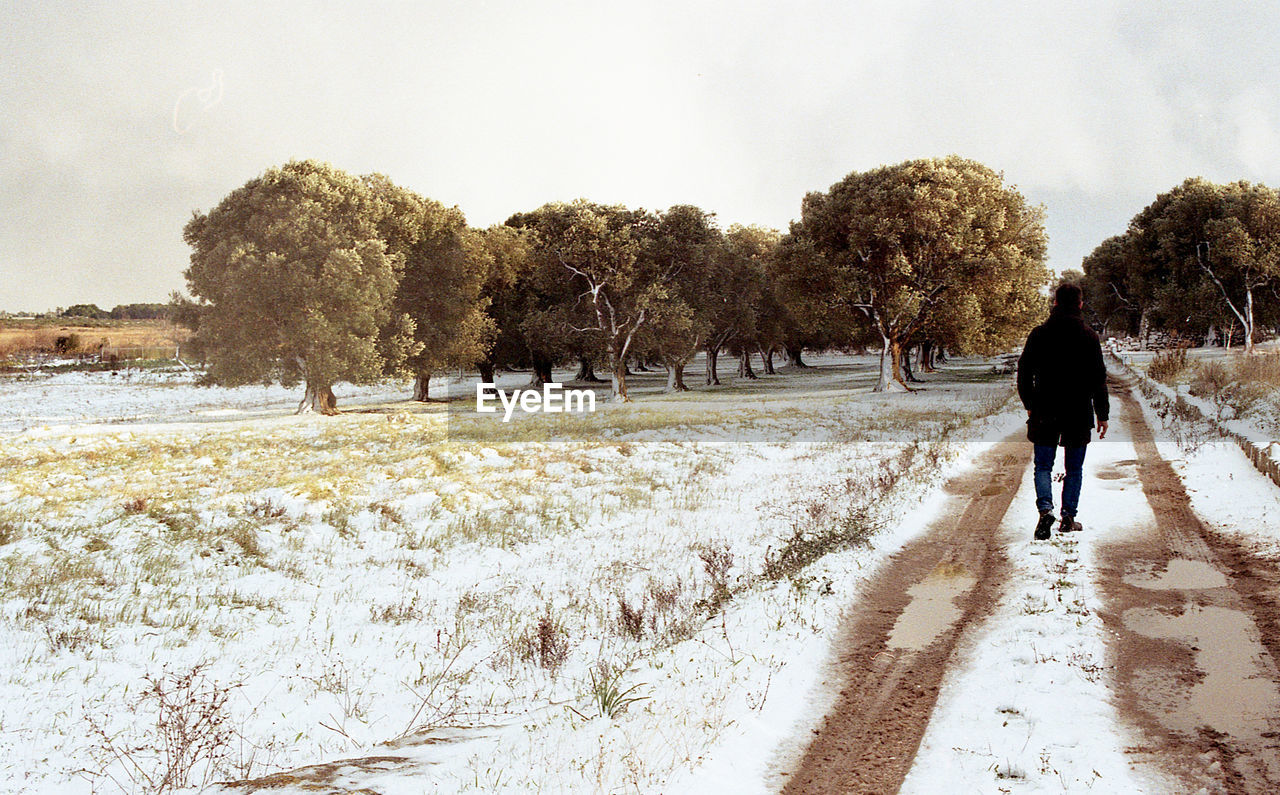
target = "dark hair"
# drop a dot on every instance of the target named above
(1068, 296)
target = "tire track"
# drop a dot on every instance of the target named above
(899, 641)
(1194, 638)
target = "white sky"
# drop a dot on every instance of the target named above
(117, 120)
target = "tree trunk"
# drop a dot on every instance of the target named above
(895, 348)
(1144, 328)
(486, 372)
(926, 356)
(619, 382)
(940, 356)
(890, 366)
(422, 387)
(587, 371)
(766, 359)
(713, 378)
(793, 356)
(541, 373)
(907, 375)
(1248, 320)
(675, 378)
(318, 398)
(744, 366)
(882, 385)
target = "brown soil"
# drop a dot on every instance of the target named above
(330, 778)
(898, 642)
(1194, 621)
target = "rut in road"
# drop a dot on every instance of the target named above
(1194, 623)
(897, 643)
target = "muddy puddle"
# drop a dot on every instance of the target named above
(932, 609)
(1234, 695)
(1180, 574)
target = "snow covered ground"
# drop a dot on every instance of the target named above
(59, 400)
(1028, 708)
(474, 599)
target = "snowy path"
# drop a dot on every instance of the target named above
(896, 647)
(1136, 657)
(1029, 706)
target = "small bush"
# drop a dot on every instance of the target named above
(716, 562)
(338, 516)
(1166, 367)
(1209, 378)
(546, 644)
(1262, 369)
(399, 613)
(245, 536)
(265, 509)
(630, 619)
(1240, 387)
(607, 696)
(190, 743)
(11, 527)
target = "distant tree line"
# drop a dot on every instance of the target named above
(310, 275)
(1201, 261)
(120, 312)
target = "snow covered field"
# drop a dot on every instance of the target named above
(475, 604)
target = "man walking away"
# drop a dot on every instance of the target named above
(1062, 381)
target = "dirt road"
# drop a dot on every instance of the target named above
(1197, 636)
(1193, 621)
(898, 642)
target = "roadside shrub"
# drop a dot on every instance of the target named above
(1262, 369)
(1208, 378)
(1166, 367)
(190, 741)
(1240, 387)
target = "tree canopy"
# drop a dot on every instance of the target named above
(937, 245)
(295, 282)
(309, 274)
(1201, 256)
(596, 250)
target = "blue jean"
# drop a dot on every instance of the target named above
(1073, 459)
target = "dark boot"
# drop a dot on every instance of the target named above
(1069, 524)
(1043, 526)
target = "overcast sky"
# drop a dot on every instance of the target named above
(117, 120)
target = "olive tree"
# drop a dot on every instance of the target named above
(444, 266)
(294, 283)
(595, 251)
(900, 243)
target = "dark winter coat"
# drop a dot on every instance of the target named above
(1062, 381)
